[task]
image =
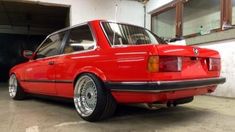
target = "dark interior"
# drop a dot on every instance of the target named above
(23, 26)
(12, 46)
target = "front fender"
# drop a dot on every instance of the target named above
(15, 71)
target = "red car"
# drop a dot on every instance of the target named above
(99, 64)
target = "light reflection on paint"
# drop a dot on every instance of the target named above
(173, 50)
(131, 53)
(131, 59)
(82, 57)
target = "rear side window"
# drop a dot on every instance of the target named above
(80, 39)
(51, 46)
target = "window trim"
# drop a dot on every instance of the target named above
(59, 50)
(83, 51)
(226, 12)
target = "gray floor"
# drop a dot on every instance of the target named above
(35, 115)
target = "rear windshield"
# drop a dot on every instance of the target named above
(123, 34)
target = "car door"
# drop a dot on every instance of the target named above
(40, 72)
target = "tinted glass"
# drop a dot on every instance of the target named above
(51, 46)
(123, 34)
(80, 39)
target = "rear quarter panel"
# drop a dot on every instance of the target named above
(116, 64)
(107, 63)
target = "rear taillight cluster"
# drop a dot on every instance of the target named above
(164, 64)
(214, 64)
(174, 64)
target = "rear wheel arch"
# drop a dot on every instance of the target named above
(86, 72)
(90, 70)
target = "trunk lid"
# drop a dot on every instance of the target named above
(194, 62)
(186, 51)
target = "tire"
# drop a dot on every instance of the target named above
(15, 90)
(92, 101)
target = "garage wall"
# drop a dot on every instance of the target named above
(84, 10)
(226, 49)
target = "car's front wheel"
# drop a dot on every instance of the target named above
(15, 90)
(92, 101)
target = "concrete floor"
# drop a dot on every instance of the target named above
(205, 113)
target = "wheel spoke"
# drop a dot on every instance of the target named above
(85, 96)
(12, 86)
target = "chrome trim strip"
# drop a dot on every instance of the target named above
(165, 82)
(77, 52)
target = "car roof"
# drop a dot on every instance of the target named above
(99, 20)
(76, 25)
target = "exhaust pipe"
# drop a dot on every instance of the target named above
(179, 101)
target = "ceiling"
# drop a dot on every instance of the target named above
(141, 1)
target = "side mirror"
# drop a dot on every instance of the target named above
(28, 54)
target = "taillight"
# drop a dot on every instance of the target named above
(170, 64)
(153, 64)
(214, 64)
(164, 64)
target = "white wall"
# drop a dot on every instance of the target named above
(84, 10)
(227, 52)
(154, 4)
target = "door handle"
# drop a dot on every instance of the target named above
(51, 63)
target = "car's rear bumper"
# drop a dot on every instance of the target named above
(161, 91)
(163, 86)
(161, 97)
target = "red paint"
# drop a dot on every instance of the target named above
(115, 64)
(138, 97)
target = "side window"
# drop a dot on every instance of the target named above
(51, 46)
(80, 39)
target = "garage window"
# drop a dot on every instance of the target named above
(185, 19)
(201, 16)
(164, 24)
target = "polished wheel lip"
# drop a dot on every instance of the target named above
(85, 96)
(13, 86)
